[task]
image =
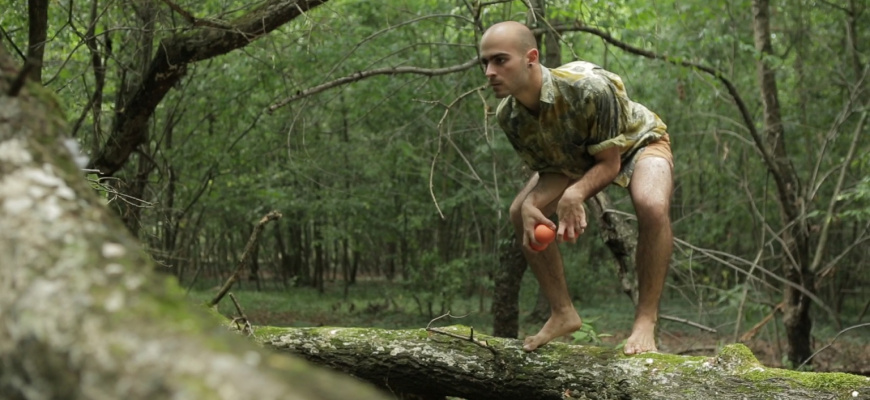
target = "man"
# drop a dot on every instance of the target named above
(576, 127)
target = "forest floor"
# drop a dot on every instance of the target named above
(390, 306)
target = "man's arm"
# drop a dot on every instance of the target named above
(572, 216)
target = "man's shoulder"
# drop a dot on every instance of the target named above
(582, 75)
(578, 67)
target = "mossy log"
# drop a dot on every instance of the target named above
(435, 364)
(84, 315)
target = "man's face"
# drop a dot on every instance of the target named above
(506, 67)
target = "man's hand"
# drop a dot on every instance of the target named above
(532, 216)
(572, 216)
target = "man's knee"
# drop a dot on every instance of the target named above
(653, 210)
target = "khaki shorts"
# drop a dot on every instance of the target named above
(659, 148)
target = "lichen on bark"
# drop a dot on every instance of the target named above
(417, 361)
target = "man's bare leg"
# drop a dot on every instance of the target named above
(549, 270)
(651, 187)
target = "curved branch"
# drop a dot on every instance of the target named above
(169, 65)
(373, 72)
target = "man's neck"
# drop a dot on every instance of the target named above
(531, 97)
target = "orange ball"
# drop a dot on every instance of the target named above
(544, 235)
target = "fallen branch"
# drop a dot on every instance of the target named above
(243, 261)
(754, 330)
(687, 322)
(242, 319)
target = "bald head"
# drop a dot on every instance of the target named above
(511, 32)
(509, 56)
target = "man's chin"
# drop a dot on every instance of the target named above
(500, 94)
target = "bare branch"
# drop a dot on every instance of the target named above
(718, 256)
(170, 63)
(213, 23)
(374, 72)
(829, 213)
(687, 322)
(832, 342)
(243, 261)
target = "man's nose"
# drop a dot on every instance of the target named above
(489, 71)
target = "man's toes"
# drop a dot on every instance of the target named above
(529, 344)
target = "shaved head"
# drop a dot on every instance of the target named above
(512, 32)
(509, 55)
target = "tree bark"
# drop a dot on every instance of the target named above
(620, 238)
(796, 260)
(505, 299)
(206, 40)
(434, 364)
(37, 22)
(84, 314)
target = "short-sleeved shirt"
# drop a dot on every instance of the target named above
(584, 110)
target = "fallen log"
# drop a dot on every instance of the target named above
(459, 362)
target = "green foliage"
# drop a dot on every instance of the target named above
(588, 334)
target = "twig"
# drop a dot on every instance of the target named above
(687, 322)
(246, 328)
(470, 338)
(438, 152)
(832, 342)
(252, 241)
(754, 330)
(12, 43)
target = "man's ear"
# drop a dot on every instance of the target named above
(532, 56)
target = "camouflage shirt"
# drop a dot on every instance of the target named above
(584, 110)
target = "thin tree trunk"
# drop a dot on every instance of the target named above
(37, 20)
(505, 299)
(796, 313)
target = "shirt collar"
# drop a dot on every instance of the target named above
(548, 92)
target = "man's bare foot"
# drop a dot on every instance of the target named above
(642, 339)
(558, 325)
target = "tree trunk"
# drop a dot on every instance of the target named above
(37, 19)
(796, 260)
(84, 314)
(505, 298)
(434, 364)
(621, 238)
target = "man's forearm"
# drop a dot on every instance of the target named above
(550, 186)
(595, 179)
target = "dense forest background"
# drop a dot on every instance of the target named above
(369, 127)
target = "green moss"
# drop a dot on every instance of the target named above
(831, 381)
(737, 354)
